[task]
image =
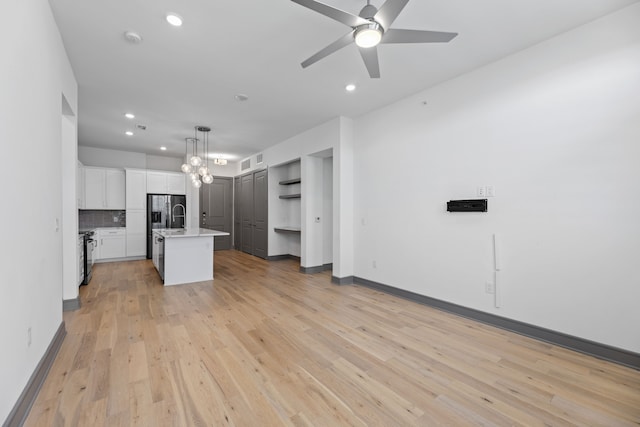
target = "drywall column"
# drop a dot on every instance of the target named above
(193, 203)
(343, 202)
(69, 151)
(327, 210)
(312, 195)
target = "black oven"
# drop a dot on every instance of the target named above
(90, 245)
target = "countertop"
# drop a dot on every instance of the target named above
(169, 233)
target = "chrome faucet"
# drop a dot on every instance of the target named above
(173, 212)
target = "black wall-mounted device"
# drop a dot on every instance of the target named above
(476, 205)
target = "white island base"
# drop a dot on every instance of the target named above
(188, 255)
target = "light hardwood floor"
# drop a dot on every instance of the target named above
(263, 345)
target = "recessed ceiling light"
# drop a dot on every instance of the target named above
(350, 87)
(129, 133)
(174, 19)
(130, 116)
(242, 97)
(163, 148)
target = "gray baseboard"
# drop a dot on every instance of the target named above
(282, 257)
(71, 304)
(347, 280)
(316, 269)
(21, 409)
(592, 348)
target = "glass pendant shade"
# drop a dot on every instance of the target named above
(207, 179)
(203, 170)
(195, 161)
(197, 183)
(193, 176)
(186, 168)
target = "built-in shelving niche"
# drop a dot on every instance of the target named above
(286, 215)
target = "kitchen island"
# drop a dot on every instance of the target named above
(184, 255)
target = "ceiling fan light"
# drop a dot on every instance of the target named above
(368, 35)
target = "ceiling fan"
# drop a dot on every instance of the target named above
(370, 28)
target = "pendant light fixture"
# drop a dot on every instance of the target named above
(197, 168)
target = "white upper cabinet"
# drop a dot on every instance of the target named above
(114, 189)
(176, 183)
(136, 197)
(104, 188)
(94, 182)
(156, 182)
(166, 183)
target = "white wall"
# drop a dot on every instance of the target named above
(34, 75)
(91, 156)
(555, 129)
(163, 163)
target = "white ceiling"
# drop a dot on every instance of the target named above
(181, 77)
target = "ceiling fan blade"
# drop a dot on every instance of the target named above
(416, 36)
(333, 13)
(336, 45)
(370, 58)
(389, 11)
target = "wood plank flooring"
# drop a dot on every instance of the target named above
(264, 345)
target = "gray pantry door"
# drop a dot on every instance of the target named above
(260, 213)
(237, 221)
(246, 212)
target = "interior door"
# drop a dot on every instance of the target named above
(219, 214)
(246, 202)
(237, 221)
(260, 213)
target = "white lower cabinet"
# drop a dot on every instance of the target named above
(136, 233)
(111, 243)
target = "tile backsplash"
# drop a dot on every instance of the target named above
(96, 218)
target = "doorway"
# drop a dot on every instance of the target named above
(216, 202)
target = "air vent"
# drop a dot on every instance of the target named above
(246, 164)
(259, 158)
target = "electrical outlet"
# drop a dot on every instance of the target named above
(374, 264)
(489, 288)
(482, 191)
(29, 337)
(491, 191)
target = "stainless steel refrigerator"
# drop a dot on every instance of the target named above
(164, 211)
